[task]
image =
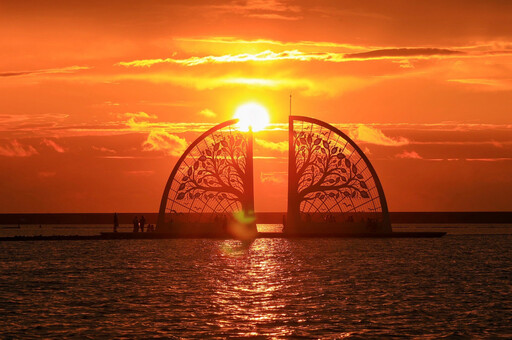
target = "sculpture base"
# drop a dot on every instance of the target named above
(308, 228)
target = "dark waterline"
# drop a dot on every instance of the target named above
(459, 285)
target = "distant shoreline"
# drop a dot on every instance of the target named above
(496, 217)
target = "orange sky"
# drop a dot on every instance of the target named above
(99, 98)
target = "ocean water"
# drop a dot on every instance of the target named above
(452, 287)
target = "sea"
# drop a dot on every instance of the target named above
(455, 287)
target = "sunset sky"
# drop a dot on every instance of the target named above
(99, 98)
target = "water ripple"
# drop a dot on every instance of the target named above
(454, 287)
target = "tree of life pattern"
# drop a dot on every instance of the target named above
(209, 178)
(331, 175)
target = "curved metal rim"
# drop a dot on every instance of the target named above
(163, 202)
(380, 190)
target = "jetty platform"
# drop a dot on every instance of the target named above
(166, 236)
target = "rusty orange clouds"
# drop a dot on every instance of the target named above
(98, 99)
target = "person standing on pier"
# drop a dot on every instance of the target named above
(142, 222)
(116, 222)
(135, 224)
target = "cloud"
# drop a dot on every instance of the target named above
(139, 115)
(305, 43)
(408, 155)
(499, 159)
(402, 52)
(138, 121)
(274, 16)
(296, 55)
(367, 134)
(277, 146)
(207, 113)
(331, 86)
(52, 144)
(263, 9)
(68, 69)
(160, 140)
(267, 55)
(490, 84)
(22, 125)
(103, 149)
(273, 177)
(15, 149)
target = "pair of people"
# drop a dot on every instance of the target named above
(138, 223)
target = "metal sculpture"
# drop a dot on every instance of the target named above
(211, 180)
(332, 185)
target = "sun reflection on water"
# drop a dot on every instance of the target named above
(252, 294)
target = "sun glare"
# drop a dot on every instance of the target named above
(252, 115)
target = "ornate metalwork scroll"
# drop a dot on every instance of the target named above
(330, 178)
(209, 180)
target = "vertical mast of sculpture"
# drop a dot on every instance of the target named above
(293, 204)
(248, 205)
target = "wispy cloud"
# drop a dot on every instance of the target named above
(207, 113)
(139, 115)
(52, 144)
(408, 155)
(236, 41)
(67, 69)
(498, 159)
(15, 149)
(308, 86)
(160, 140)
(402, 52)
(228, 58)
(276, 146)
(103, 149)
(297, 55)
(367, 134)
(500, 84)
(263, 9)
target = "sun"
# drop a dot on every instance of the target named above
(252, 115)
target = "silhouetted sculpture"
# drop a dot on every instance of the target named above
(329, 176)
(213, 177)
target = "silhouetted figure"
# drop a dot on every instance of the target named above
(142, 221)
(116, 222)
(135, 224)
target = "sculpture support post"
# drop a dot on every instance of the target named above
(249, 172)
(293, 204)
